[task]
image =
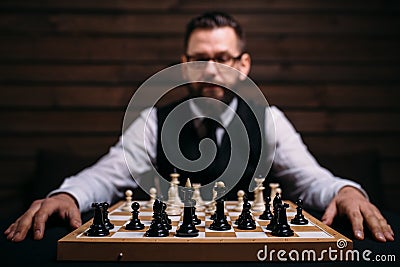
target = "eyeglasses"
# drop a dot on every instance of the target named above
(224, 58)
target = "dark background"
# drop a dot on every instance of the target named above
(69, 68)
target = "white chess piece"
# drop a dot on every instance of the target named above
(153, 196)
(173, 193)
(239, 206)
(128, 201)
(211, 206)
(273, 187)
(259, 203)
(197, 197)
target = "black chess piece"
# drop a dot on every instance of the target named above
(98, 228)
(241, 214)
(135, 223)
(107, 221)
(164, 216)
(157, 228)
(277, 200)
(267, 214)
(212, 216)
(246, 221)
(164, 208)
(187, 228)
(282, 227)
(195, 219)
(220, 223)
(299, 218)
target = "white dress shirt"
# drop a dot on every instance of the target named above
(293, 165)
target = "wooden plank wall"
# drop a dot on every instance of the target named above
(69, 68)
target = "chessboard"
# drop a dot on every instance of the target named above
(311, 242)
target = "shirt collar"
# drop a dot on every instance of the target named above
(226, 116)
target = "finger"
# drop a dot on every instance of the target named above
(386, 229)
(356, 220)
(374, 225)
(75, 217)
(10, 231)
(20, 228)
(40, 219)
(391, 230)
(330, 213)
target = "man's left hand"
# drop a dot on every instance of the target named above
(350, 202)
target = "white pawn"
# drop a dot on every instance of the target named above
(197, 197)
(153, 196)
(239, 206)
(128, 201)
(173, 193)
(211, 206)
(259, 203)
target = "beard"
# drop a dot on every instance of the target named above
(212, 91)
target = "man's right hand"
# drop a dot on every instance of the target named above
(39, 212)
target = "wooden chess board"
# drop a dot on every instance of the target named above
(310, 242)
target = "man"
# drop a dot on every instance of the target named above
(211, 37)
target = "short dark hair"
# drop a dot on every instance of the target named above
(212, 20)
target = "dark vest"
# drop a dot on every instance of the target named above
(189, 146)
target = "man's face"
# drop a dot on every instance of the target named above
(220, 44)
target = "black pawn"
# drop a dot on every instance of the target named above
(277, 200)
(164, 208)
(157, 228)
(267, 214)
(282, 227)
(246, 221)
(241, 214)
(135, 223)
(299, 217)
(212, 216)
(98, 228)
(107, 221)
(220, 223)
(187, 228)
(195, 219)
(164, 216)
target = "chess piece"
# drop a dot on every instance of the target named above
(197, 197)
(258, 204)
(282, 227)
(98, 228)
(188, 228)
(128, 201)
(211, 207)
(153, 196)
(220, 223)
(273, 187)
(299, 218)
(277, 201)
(174, 203)
(157, 227)
(267, 214)
(107, 221)
(246, 221)
(240, 201)
(164, 217)
(173, 193)
(135, 223)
